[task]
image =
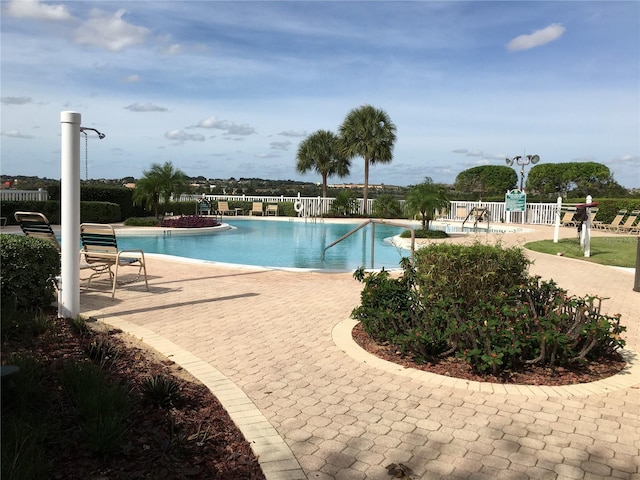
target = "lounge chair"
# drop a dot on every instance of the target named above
(617, 221)
(567, 219)
(629, 225)
(35, 224)
(100, 251)
(272, 209)
(256, 209)
(223, 209)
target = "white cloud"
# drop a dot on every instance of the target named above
(15, 134)
(182, 136)
(280, 145)
(293, 133)
(110, 32)
(37, 10)
(537, 38)
(16, 100)
(240, 130)
(147, 107)
(266, 155)
(175, 49)
(230, 128)
(132, 79)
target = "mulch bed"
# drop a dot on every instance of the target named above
(457, 368)
(194, 440)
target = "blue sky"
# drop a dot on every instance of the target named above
(230, 89)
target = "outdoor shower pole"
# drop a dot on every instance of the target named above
(70, 214)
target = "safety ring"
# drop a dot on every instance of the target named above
(297, 206)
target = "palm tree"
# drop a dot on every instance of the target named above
(425, 198)
(368, 132)
(172, 180)
(147, 193)
(319, 151)
(159, 181)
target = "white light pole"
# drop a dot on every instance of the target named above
(522, 161)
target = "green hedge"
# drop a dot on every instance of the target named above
(90, 212)
(28, 267)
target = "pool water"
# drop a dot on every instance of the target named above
(280, 244)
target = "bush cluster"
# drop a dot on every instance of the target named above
(29, 266)
(189, 221)
(479, 303)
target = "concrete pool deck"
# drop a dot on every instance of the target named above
(274, 347)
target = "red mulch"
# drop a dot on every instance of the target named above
(457, 368)
(196, 440)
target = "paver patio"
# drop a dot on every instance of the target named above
(274, 347)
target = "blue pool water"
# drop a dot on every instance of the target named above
(280, 244)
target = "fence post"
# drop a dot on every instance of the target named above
(636, 286)
(556, 228)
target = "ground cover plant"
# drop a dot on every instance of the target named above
(478, 304)
(93, 404)
(619, 251)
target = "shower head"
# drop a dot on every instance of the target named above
(100, 134)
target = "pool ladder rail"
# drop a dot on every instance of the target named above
(479, 214)
(373, 222)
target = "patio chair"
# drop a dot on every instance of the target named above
(616, 222)
(629, 225)
(100, 251)
(256, 209)
(35, 224)
(272, 209)
(223, 209)
(567, 219)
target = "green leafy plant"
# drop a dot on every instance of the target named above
(387, 206)
(345, 204)
(102, 351)
(29, 266)
(79, 325)
(102, 407)
(162, 391)
(478, 303)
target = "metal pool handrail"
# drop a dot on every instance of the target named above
(372, 222)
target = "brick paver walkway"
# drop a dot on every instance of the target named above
(274, 347)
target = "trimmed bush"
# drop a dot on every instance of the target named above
(479, 303)
(28, 268)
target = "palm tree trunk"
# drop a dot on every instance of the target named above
(324, 185)
(366, 186)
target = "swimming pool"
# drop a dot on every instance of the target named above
(279, 244)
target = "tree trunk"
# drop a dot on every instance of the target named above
(366, 186)
(324, 185)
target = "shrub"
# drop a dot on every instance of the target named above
(102, 407)
(142, 222)
(479, 303)
(163, 392)
(189, 221)
(422, 233)
(387, 206)
(29, 266)
(345, 204)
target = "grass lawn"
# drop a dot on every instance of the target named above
(618, 251)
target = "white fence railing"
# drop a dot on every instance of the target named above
(535, 213)
(39, 195)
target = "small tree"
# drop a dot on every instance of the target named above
(424, 199)
(161, 181)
